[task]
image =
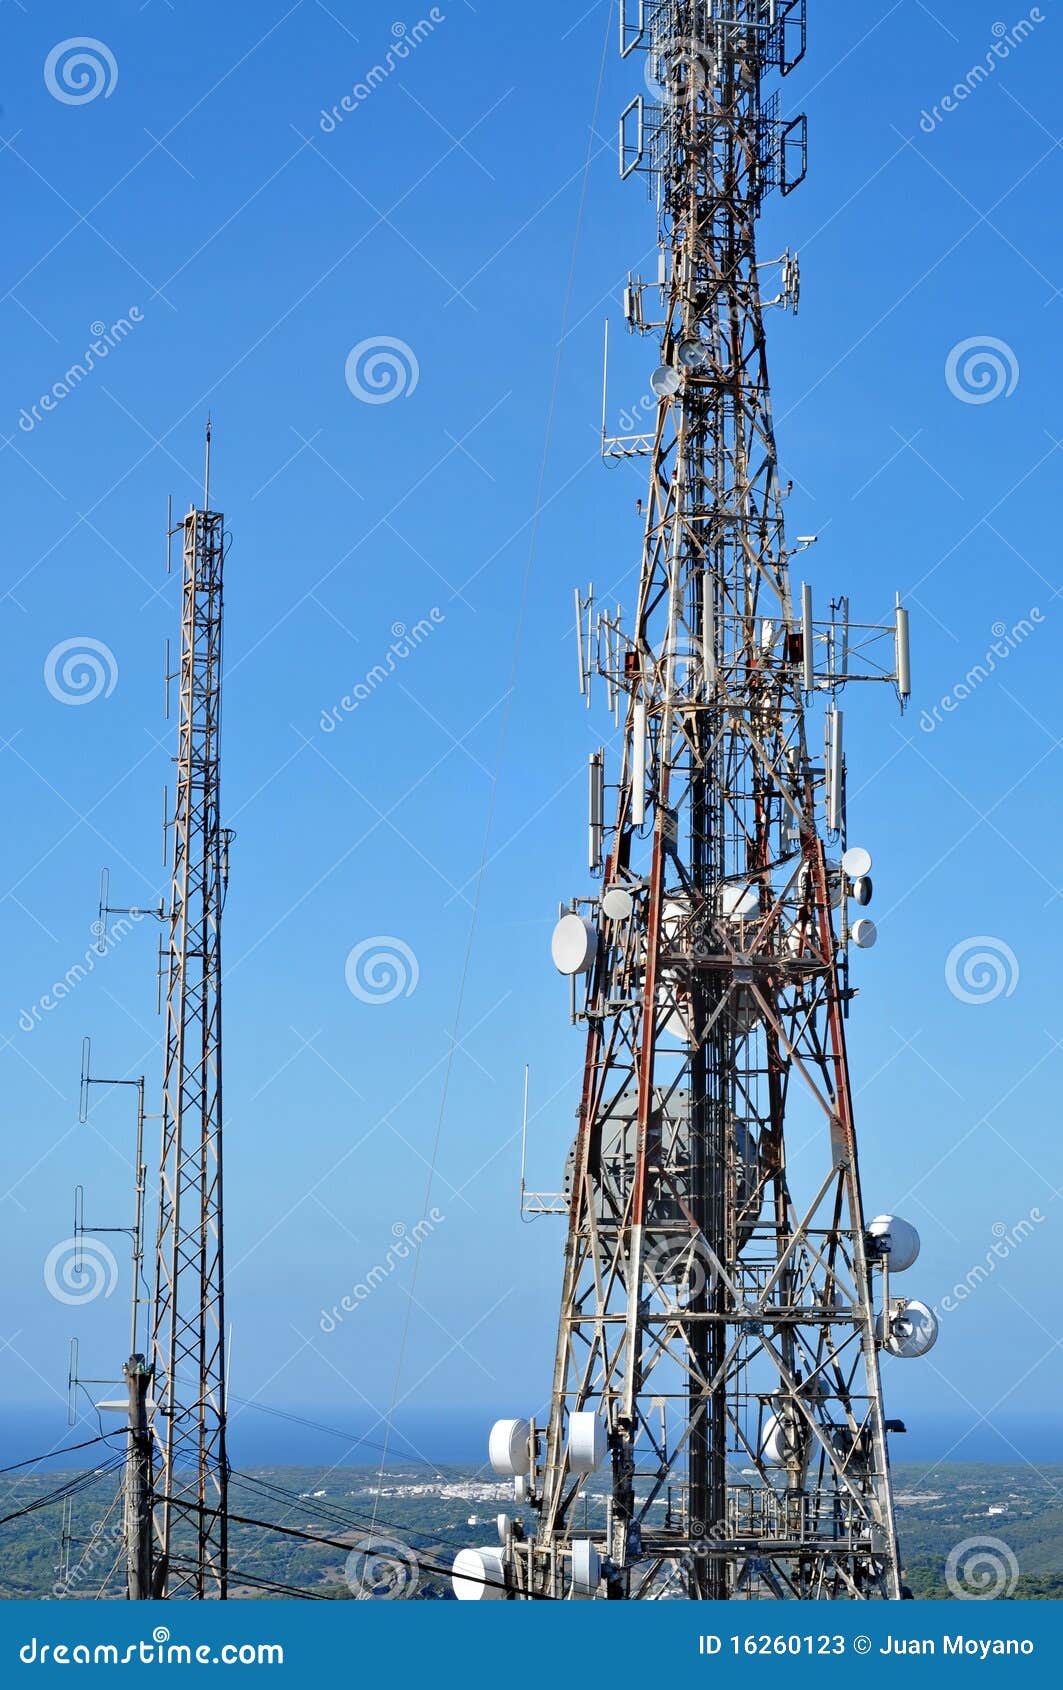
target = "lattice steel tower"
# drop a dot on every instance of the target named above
(188, 1350)
(716, 1427)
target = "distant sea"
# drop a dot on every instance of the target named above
(307, 1436)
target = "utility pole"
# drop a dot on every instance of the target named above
(188, 1329)
(139, 1488)
(716, 1426)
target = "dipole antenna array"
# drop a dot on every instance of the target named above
(137, 1509)
(188, 1413)
(716, 1426)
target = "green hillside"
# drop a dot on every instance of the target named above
(73, 1549)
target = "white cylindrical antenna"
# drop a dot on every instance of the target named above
(596, 831)
(708, 636)
(808, 658)
(835, 770)
(842, 657)
(606, 627)
(579, 643)
(904, 654)
(605, 387)
(638, 764)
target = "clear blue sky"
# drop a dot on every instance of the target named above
(203, 196)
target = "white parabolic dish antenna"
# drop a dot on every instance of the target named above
(857, 862)
(618, 904)
(773, 1448)
(586, 1569)
(739, 901)
(588, 1443)
(479, 1575)
(903, 1250)
(665, 381)
(507, 1449)
(909, 1329)
(574, 945)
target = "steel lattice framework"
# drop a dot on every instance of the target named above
(188, 1357)
(718, 1315)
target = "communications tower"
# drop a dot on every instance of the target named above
(716, 1425)
(188, 1328)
